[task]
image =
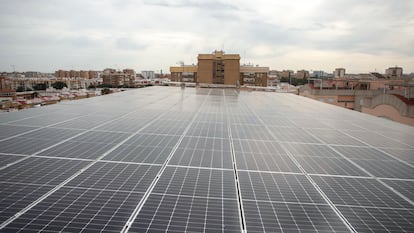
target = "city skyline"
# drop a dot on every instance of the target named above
(153, 35)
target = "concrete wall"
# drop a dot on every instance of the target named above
(205, 71)
(231, 71)
(389, 112)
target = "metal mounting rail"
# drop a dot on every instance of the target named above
(236, 174)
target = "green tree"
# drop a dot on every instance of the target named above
(20, 89)
(105, 91)
(39, 86)
(59, 85)
(35, 94)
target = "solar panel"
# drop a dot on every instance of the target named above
(14, 197)
(406, 187)
(262, 156)
(362, 153)
(203, 152)
(359, 192)
(197, 182)
(284, 134)
(377, 140)
(379, 219)
(144, 148)
(386, 169)
(335, 137)
(331, 166)
(404, 155)
(166, 159)
(37, 170)
(116, 177)
(171, 213)
(7, 159)
(11, 130)
(278, 188)
(25, 146)
(291, 217)
(76, 210)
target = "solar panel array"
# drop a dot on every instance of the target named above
(165, 159)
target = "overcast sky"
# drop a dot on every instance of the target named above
(359, 35)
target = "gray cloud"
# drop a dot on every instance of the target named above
(205, 5)
(128, 44)
(144, 34)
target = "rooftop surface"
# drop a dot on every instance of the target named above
(204, 160)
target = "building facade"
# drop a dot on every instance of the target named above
(220, 68)
(254, 75)
(85, 74)
(148, 74)
(114, 78)
(394, 72)
(339, 73)
(6, 90)
(302, 74)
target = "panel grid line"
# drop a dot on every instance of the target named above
(325, 197)
(367, 172)
(204, 160)
(27, 208)
(164, 166)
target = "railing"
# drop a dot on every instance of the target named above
(335, 92)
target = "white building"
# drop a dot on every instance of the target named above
(339, 73)
(148, 74)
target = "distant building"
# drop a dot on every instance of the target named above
(220, 68)
(339, 73)
(254, 75)
(32, 74)
(272, 77)
(302, 74)
(320, 74)
(394, 72)
(184, 73)
(6, 90)
(287, 74)
(130, 72)
(85, 74)
(370, 93)
(148, 74)
(113, 78)
(93, 74)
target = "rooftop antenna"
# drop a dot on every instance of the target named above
(14, 68)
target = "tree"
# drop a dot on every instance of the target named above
(20, 89)
(39, 86)
(59, 85)
(105, 91)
